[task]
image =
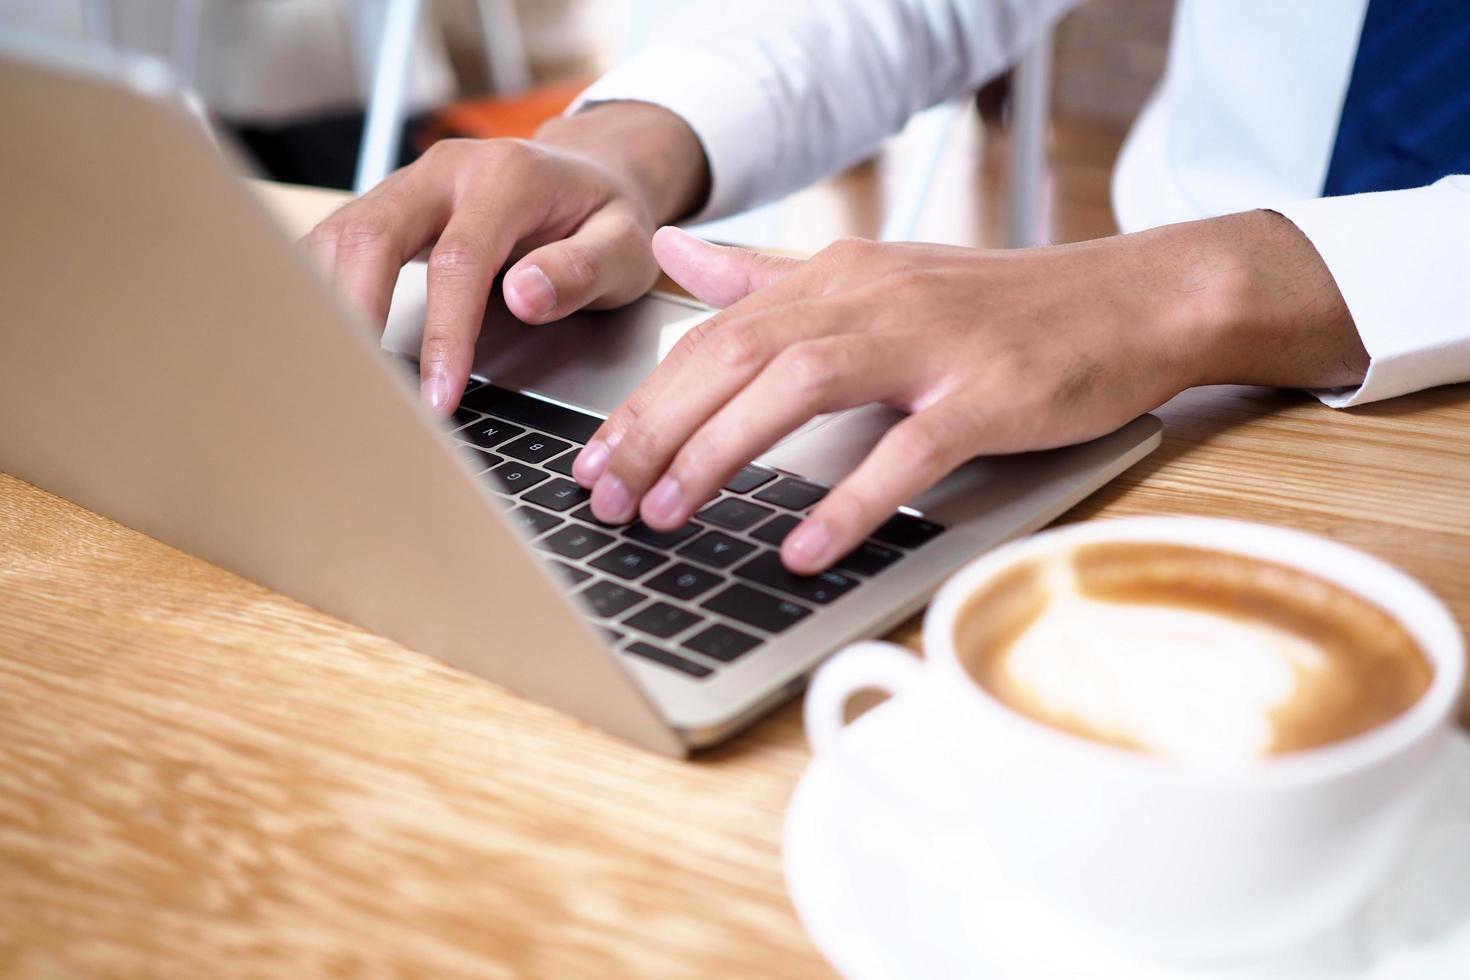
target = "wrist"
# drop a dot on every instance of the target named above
(1253, 303)
(651, 149)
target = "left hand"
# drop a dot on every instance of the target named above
(990, 352)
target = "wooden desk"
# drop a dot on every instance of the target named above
(198, 776)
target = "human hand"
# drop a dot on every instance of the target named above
(575, 208)
(990, 352)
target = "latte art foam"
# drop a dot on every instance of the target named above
(1192, 655)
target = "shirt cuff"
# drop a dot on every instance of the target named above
(1398, 260)
(728, 113)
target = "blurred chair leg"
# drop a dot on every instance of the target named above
(97, 18)
(505, 47)
(188, 31)
(931, 130)
(1031, 116)
(383, 130)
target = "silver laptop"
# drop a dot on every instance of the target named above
(168, 359)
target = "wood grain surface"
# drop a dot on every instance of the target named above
(200, 777)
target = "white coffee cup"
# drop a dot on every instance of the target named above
(1157, 856)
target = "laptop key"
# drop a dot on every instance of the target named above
(756, 608)
(585, 514)
(766, 569)
(514, 477)
(644, 534)
(574, 541)
(558, 495)
(609, 599)
(908, 531)
(721, 642)
(478, 461)
(628, 561)
(463, 416)
(868, 558)
(650, 652)
(573, 576)
(534, 412)
(662, 620)
(792, 494)
(534, 447)
(488, 433)
(533, 521)
(734, 514)
(750, 477)
(611, 635)
(717, 549)
(683, 581)
(775, 530)
(563, 463)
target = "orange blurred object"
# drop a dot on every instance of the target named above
(514, 116)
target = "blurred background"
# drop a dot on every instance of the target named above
(291, 79)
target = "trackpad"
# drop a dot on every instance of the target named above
(830, 451)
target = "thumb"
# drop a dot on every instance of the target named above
(720, 275)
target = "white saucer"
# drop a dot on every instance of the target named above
(883, 897)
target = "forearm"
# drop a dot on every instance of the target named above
(650, 148)
(1246, 299)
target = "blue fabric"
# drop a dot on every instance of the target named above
(1406, 118)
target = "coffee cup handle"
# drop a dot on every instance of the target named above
(871, 665)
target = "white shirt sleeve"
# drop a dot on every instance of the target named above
(1402, 262)
(784, 92)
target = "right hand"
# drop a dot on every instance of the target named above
(578, 206)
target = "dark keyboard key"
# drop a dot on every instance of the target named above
(766, 569)
(717, 549)
(775, 530)
(734, 513)
(585, 514)
(573, 576)
(514, 477)
(463, 416)
(683, 581)
(533, 448)
(563, 464)
(651, 652)
(518, 407)
(908, 531)
(722, 643)
(488, 433)
(661, 539)
(628, 561)
(868, 558)
(792, 494)
(757, 608)
(749, 478)
(609, 599)
(574, 541)
(479, 461)
(662, 620)
(610, 635)
(558, 495)
(533, 521)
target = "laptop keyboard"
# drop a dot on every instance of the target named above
(694, 599)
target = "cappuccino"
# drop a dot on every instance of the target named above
(1188, 653)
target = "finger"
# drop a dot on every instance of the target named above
(734, 354)
(803, 381)
(366, 242)
(593, 460)
(606, 263)
(910, 458)
(462, 267)
(720, 275)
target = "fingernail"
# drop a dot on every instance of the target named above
(610, 500)
(665, 501)
(808, 548)
(534, 289)
(435, 393)
(590, 462)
